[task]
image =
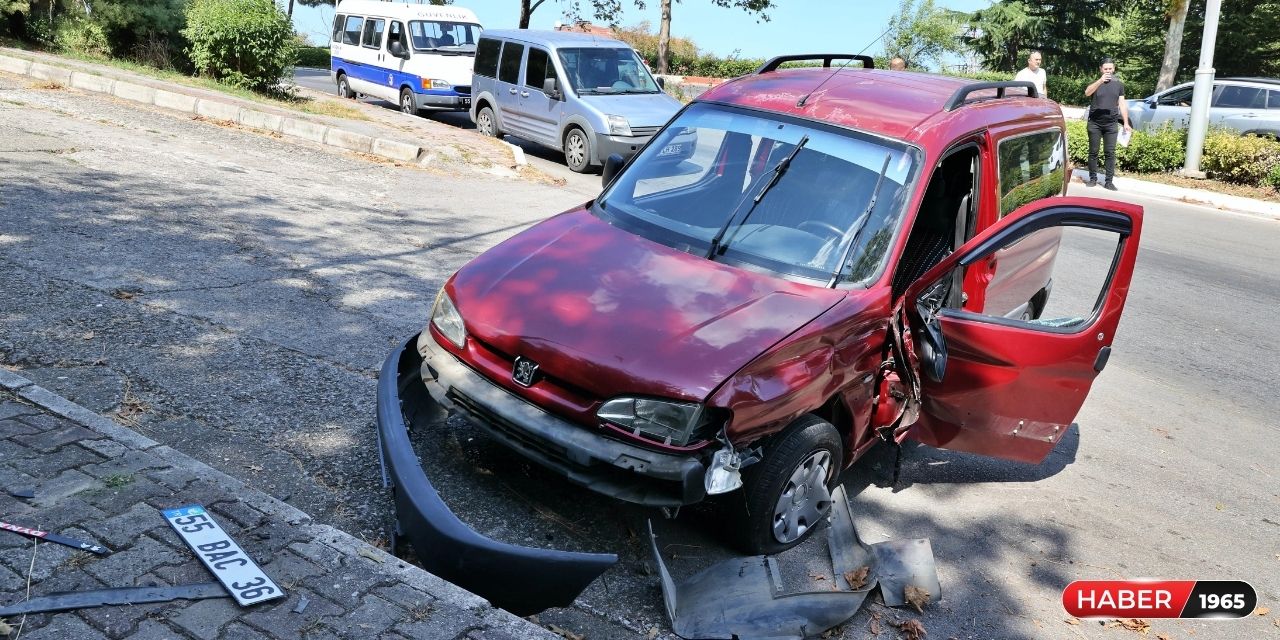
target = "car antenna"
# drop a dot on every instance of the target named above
(778, 170)
(805, 98)
(862, 222)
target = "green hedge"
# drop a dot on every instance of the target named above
(317, 57)
(244, 43)
(1228, 155)
(1241, 159)
(1273, 178)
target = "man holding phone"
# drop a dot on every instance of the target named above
(1105, 110)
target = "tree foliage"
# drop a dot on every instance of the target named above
(1064, 31)
(245, 43)
(922, 32)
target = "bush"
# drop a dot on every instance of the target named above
(1077, 142)
(1241, 159)
(1273, 179)
(317, 57)
(244, 43)
(81, 36)
(1069, 89)
(1163, 150)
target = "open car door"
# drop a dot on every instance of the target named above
(1004, 371)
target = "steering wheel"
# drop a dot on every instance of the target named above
(822, 226)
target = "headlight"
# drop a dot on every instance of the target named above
(672, 423)
(447, 320)
(428, 83)
(618, 126)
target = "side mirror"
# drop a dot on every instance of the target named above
(662, 82)
(551, 88)
(396, 48)
(933, 346)
(1151, 102)
(612, 165)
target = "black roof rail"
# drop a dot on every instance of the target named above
(958, 98)
(1247, 79)
(772, 65)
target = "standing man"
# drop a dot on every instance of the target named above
(1106, 108)
(1035, 74)
(897, 64)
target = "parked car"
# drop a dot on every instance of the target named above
(584, 94)
(1248, 105)
(418, 56)
(848, 257)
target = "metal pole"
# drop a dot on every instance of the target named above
(1203, 92)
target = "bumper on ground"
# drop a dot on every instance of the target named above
(605, 465)
(522, 580)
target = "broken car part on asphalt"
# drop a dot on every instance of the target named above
(242, 577)
(53, 537)
(522, 580)
(742, 598)
(70, 600)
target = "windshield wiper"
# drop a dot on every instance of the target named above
(861, 222)
(778, 170)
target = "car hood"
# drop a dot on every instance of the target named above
(640, 109)
(612, 313)
(454, 69)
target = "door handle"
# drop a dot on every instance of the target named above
(512, 91)
(524, 94)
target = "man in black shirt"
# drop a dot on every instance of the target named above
(1105, 110)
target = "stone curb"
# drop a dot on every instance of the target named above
(445, 592)
(295, 127)
(1236, 204)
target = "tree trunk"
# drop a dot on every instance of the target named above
(525, 13)
(290, 9)
(1173, 43)
(664, 37)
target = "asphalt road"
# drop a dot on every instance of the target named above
(232, 295)
(548, 161)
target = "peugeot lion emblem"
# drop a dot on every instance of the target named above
(525, 372)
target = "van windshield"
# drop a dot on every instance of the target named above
(595, 71)
(784, 196)
(437, 36)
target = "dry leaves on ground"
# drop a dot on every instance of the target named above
(1132, 624)
(875, 624)
(1163, 636)
(858, 578)
(1261, 611)
(1072, 621)
(917, 597)
(565, 633)
(912, 629)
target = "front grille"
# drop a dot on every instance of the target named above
(463, 89)
(644, 131)
(509, 430)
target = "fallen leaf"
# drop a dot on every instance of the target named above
(88, 335)
(912, 629)
(1261, 611)
(1163, 636)
(858, 578)
(365, 552)
(565, 633)
(917, 597)
(1133, 624)
(5, 629)
(653, 632)
(875, 625)
(1275, 621)
(1072, 621)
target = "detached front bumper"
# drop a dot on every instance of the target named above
(522, 580)
(589, 458)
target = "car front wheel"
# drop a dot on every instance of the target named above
(487, 124)
(577, 151)
(788, 493)
(344, 87)
(407, 103)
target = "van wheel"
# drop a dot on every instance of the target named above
(344, 87)
(487, 124)
(786, 495)
(577, 151)
(407, 103)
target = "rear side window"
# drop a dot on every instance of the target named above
(1273, 99)
(487, 57)
(1031, 167)
(351, 32)
(1233, 97)
(509, 70)
(373, 32)
(338, 20)
(535, 69)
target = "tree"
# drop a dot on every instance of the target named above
(1063, 30)
(922, 32)
(757, 7)
(1173, 43)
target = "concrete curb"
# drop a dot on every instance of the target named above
(1261, 208)
(446, 592)
(397, 150)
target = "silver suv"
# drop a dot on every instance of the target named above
(1248, 105)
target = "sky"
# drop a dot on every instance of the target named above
(795, 26)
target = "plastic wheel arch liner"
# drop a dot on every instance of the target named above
(522, 580)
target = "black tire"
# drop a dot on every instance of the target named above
(809, 438)
(344, 87)
(407, 103)
(577, 150)
(487, 123)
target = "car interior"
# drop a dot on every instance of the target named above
(946, 219)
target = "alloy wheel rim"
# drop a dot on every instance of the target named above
(406, 104)
(805, 498)
(577, 149)
(485, 124)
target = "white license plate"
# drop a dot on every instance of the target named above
(242, 577)
(671, 150)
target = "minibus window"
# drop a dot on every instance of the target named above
(337, 27)
(373, 32)
(351, 34)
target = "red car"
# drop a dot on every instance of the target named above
(850, 256)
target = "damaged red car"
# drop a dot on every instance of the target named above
(846, 257)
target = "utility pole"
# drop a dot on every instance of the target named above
(1203, 92)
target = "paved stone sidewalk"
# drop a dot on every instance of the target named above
(97, 481)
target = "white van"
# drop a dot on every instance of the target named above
(416, 55)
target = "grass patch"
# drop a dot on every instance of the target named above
(117, 480)
(1217, 186)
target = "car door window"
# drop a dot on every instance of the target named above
(509, 68)
(373, 33)
(487, 57)
(1273, 99)
(395, 33)
(351, 32)
(1236, 97)
(338, 21)
(1176, 98)
(1031, 167)
(536, 68)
